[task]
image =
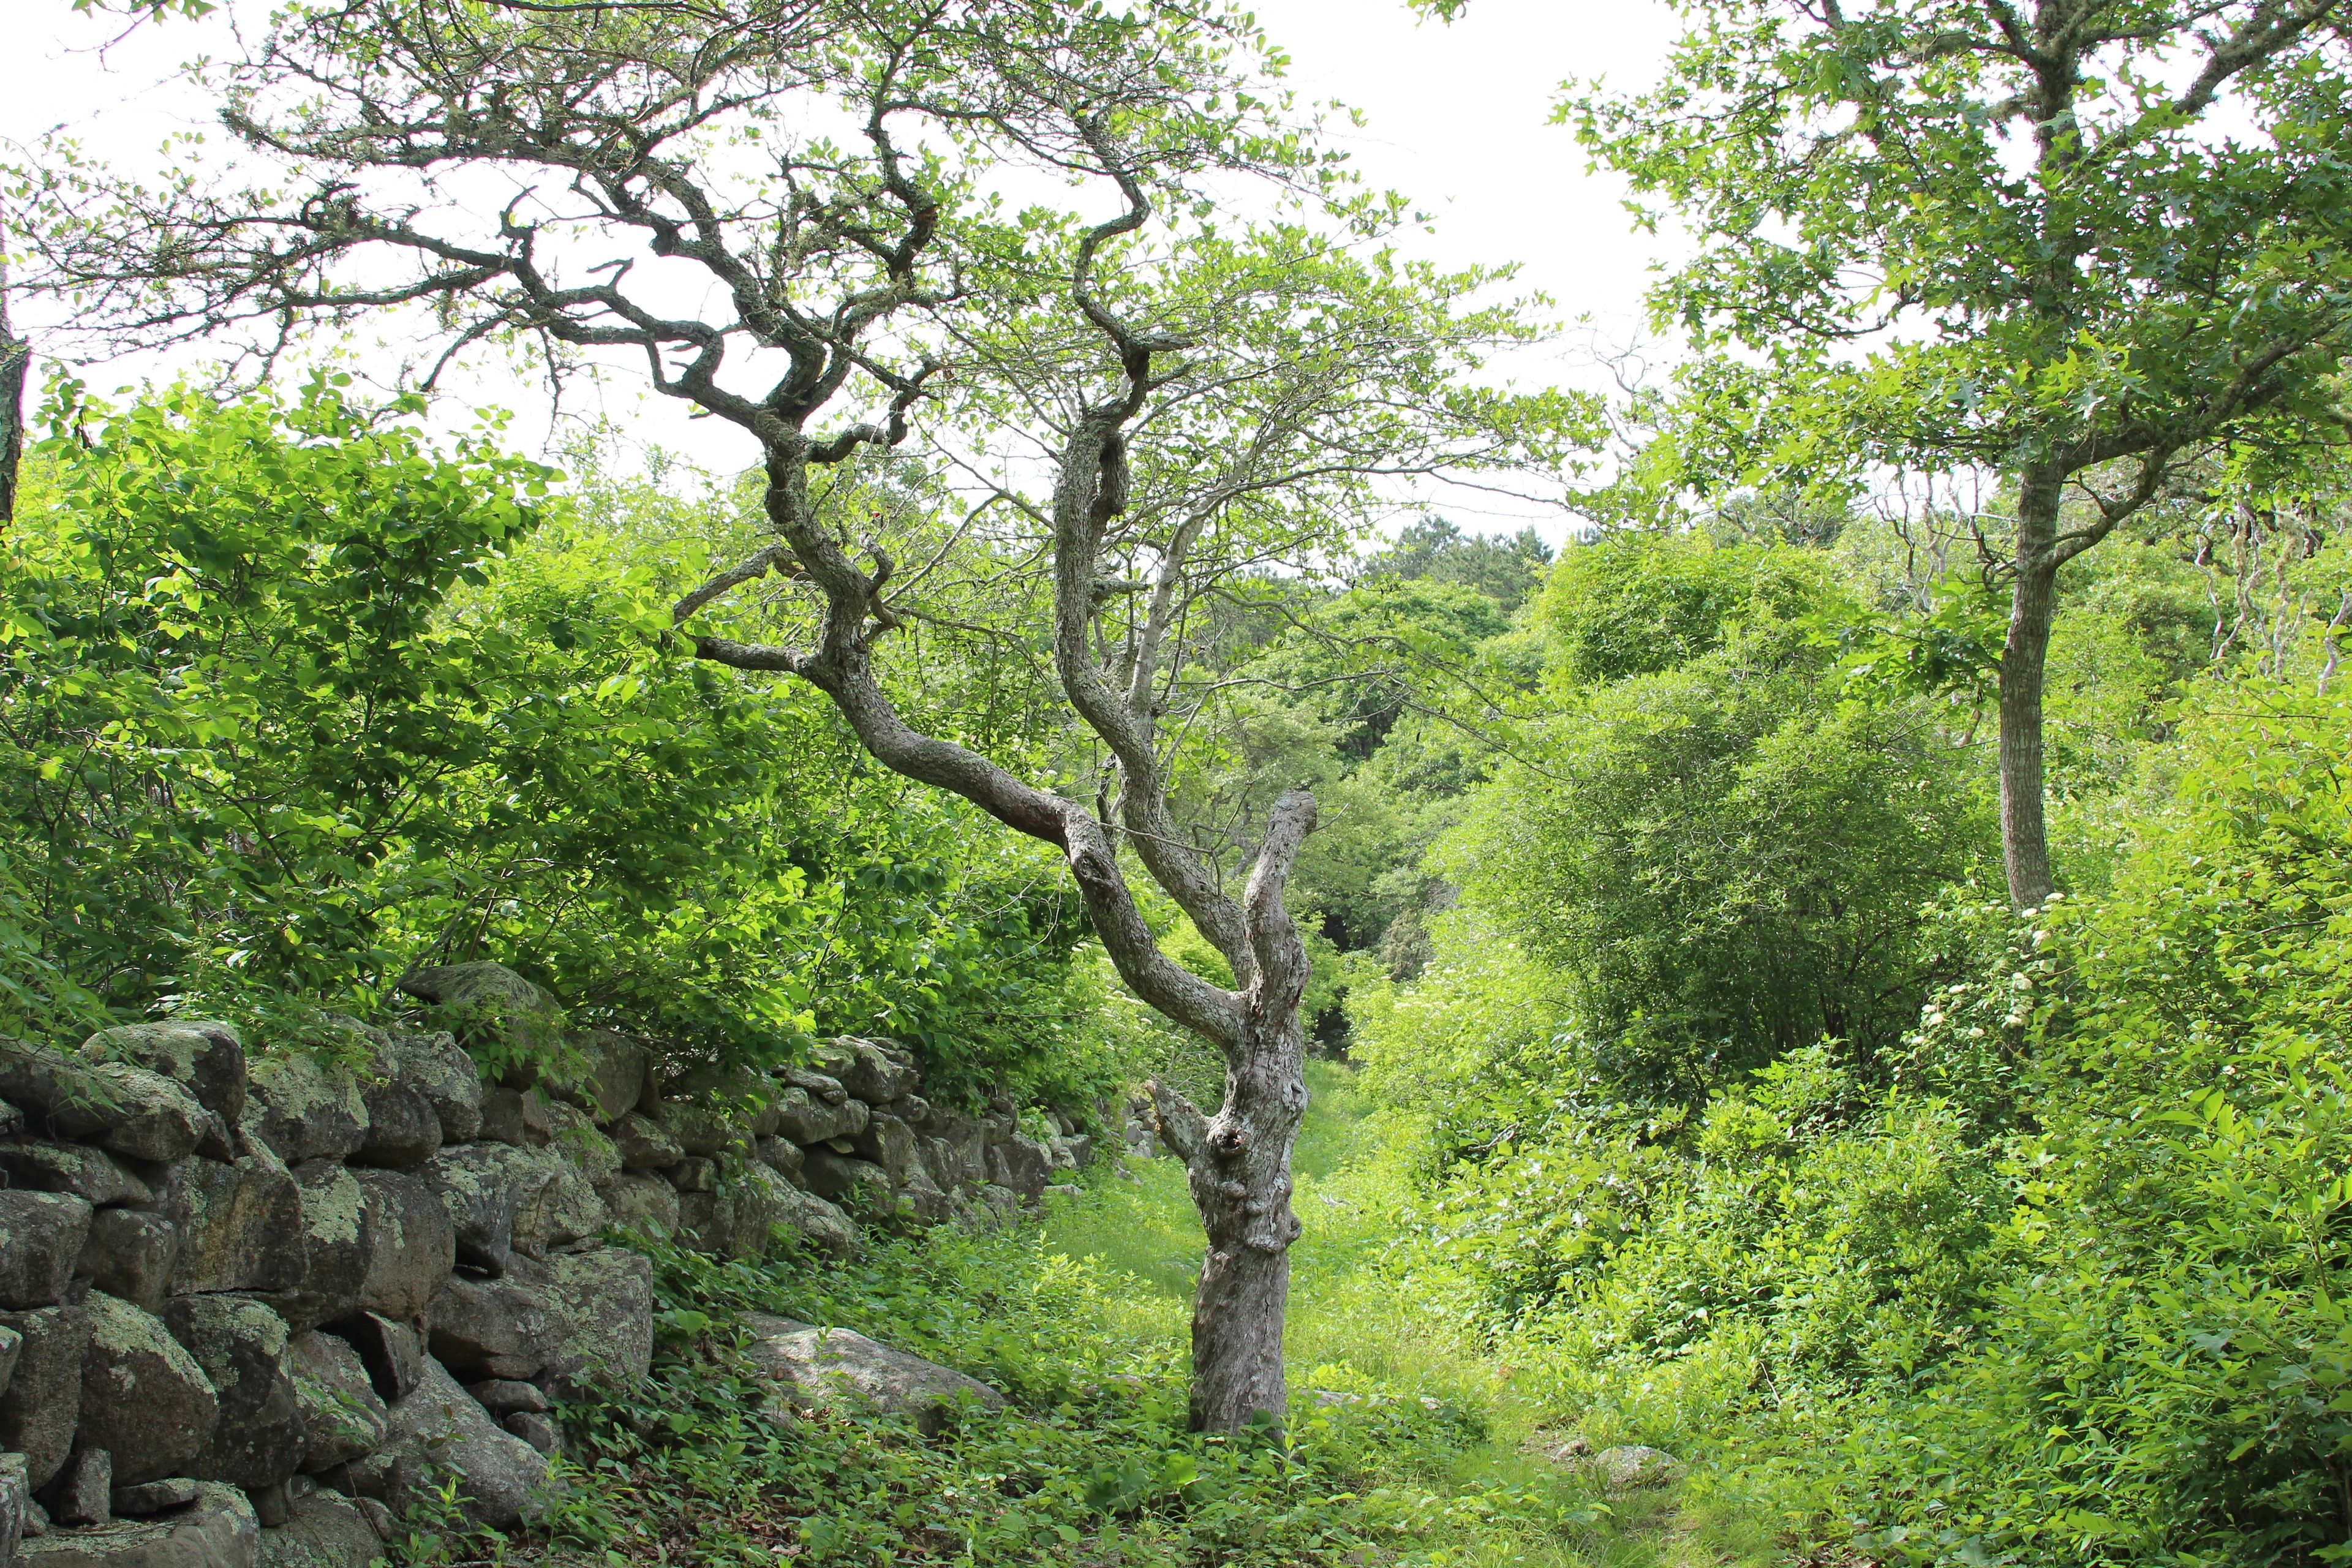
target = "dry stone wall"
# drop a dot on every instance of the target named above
(251, 1307)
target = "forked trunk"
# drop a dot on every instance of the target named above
(2024, 659)
(1239, 1175)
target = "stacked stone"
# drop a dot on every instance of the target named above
(250, 1310)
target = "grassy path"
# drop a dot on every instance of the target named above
(1353, 1331)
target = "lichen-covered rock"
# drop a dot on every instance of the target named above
(131, 1254)
(321, 1531)
(219, 1530)
(890, 1144)
(702, 1128)
(12, 1345)
(16, 1506)
(239, 1224)
(804, 1119)
(258, 1437)
(492, 1010)
(41, 1236)
(153, 1497)
(93, 1176)
(922, 1199)
(860, 1186)
(127, 1109)
(694, 1174)
(478, 1192)
(503, 1398)
(334, 1247)
(42, 1405)
(1634, 1466)
(878, 1072)
(820, 1227)
(204, 1056)
(784, 1157)
(581, 1141)
(600, 1308)
(641, 1203)
(517, 1116)
(1021, 1163)
(607, 1075)
(83, 1492)
(499, 1328)
(436, 1067)
(408, 1243)
(440, 1427)
(342, 1415)
(144, 1399)
(824, 1086)
(556, 1203)
(403, 1125)
(643, 1145)
(814, 1367)
(392, 1352)
(309, 1108)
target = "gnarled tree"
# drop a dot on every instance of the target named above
(785, 208)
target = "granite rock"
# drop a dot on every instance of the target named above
(144, 1399)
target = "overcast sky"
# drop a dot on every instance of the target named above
(1457, 117)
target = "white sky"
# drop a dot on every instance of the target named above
(1456, 117)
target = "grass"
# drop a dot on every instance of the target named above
(1356, 1328)
(1083, 1321)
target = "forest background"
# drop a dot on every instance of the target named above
(1658, 906)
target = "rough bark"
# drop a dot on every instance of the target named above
(15, 360)
(2025, 653)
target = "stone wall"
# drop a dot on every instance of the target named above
(250, 1308)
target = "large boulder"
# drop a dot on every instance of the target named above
(478, 1191)
(599, 1308)
(502, 1328)
(321, 1531)
(641, 1203)
(392, 1352)
(1021, 1163)
(603, 1073)
(494, 1012)
(127, 1109)
(335, 1246)
(645, 1144)
(144, 1399)
(259, 1439)
(815, 1367)
(239, 1224)
(804, 1119)
(408, 1243)
(517, 1116)
(16, 1505)
(440, 1429)
(404, 1124)
(556, 1203)
(860, 1186)
(41, 1236)
(879, 1071)
(93, 1176)
(219, 1530)
(204, 1056)
(342, 1415)
(305, 1108)
(818, 1224)
(436, 1067)
(42, 1405)
(891, 1144)
(131, 1254)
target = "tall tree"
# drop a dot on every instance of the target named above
(2073, 242)
(785, 207)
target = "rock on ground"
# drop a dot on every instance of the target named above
(220, 1530)
(144, 1399)
(819, 1368)
(600, 1309)
(43, 1405)
(441, 1426)
(321, 1531)
(342, 1415)
(1636, 1465)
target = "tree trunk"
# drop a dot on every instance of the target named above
(2024, 659)
(16, 358)
(1239, 1170)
